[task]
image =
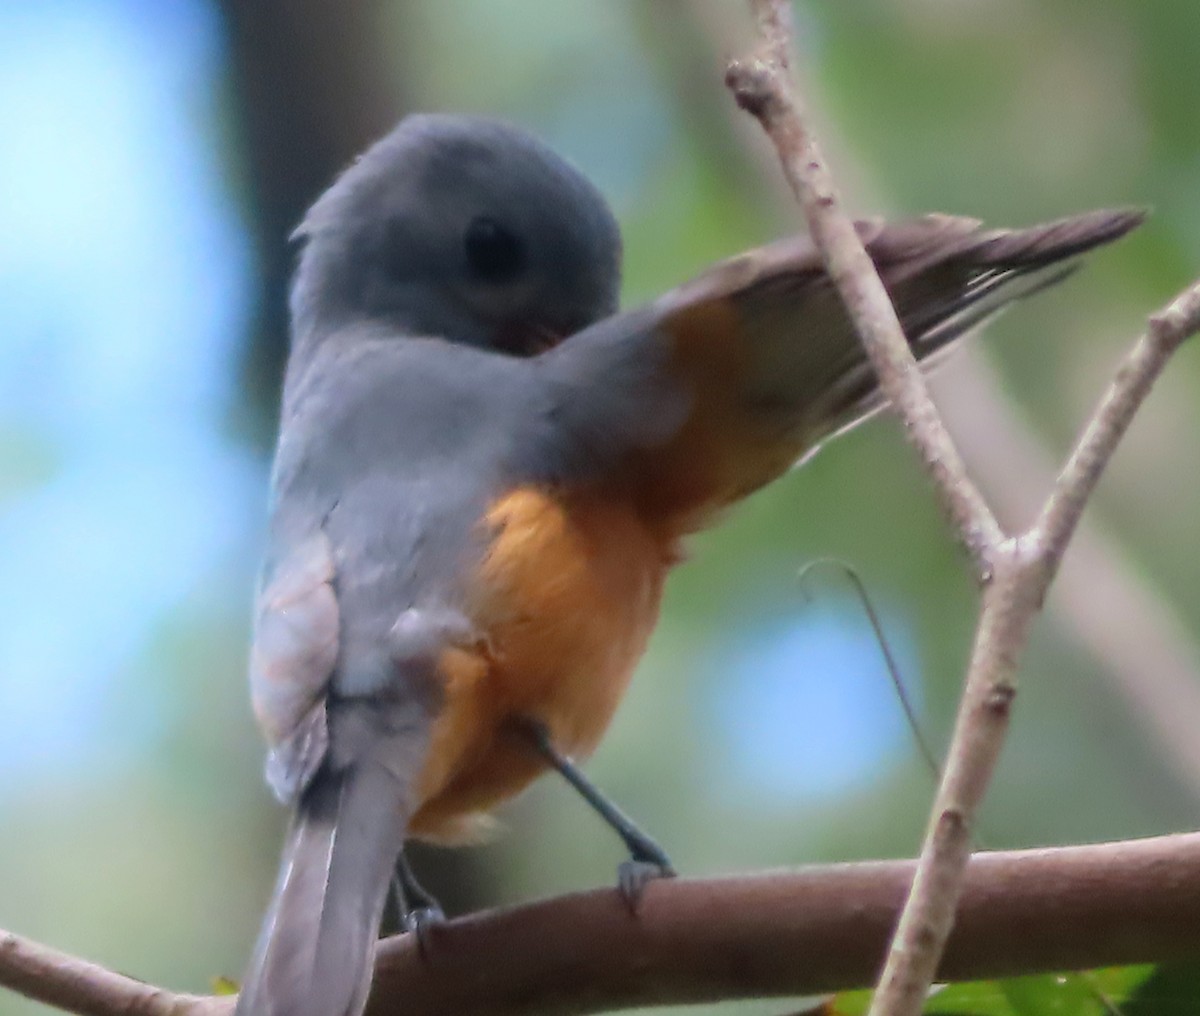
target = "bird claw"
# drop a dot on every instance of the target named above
(421, 921)
(636, 873)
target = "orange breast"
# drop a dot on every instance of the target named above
(567, 598)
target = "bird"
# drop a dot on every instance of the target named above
(485, 472)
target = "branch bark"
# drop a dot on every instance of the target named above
(74, 985)
(823, 928)
(1016, 571)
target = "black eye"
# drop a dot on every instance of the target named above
(494, 253)
(396, 252)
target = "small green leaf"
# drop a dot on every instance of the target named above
(974, 998)
(222, 985)
(850, 1003)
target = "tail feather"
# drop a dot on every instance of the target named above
(315, 953)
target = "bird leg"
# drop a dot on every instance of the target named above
(417, 908)
(647, 860)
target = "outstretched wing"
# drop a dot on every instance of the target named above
(723, 383)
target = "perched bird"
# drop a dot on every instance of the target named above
(483, 477)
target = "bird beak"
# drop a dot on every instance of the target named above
(526, 338)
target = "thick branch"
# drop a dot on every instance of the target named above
(786, 933)
(762, 87)
(815, 930)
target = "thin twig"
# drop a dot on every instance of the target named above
(1135, 638)
(1165, 332)
(74, 985)
(891, 665)
(818, 929)
(762, 87)
(1019, 569)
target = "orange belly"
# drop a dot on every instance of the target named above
(567, 598)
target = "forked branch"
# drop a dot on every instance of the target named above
(1015, 571)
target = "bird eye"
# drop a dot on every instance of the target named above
(397, 250)
(494, 253)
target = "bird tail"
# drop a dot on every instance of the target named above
(315, 953)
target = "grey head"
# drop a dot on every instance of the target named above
(459, 227)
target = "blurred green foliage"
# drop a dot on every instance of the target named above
(1092, 993)
(1007, 109)
(1119, 991)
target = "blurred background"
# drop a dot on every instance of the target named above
(154, 157)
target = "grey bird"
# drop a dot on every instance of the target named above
(484, 474)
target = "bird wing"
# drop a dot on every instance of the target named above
(292, 660)
(723, 383)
